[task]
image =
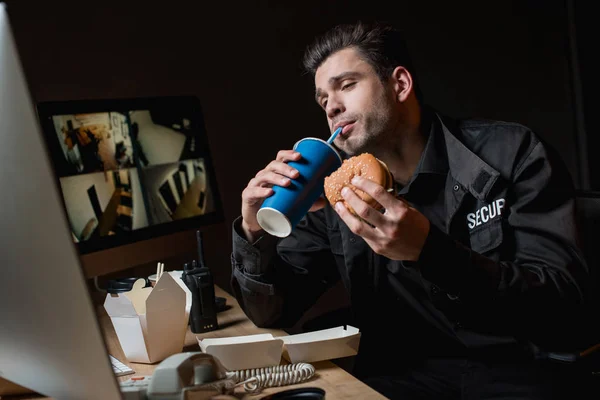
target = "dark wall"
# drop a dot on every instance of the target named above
(584, 30)
(505, 60)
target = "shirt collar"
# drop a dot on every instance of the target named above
(434, 158)
(466, 167)
(444, 153)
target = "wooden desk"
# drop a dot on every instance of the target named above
(337, 383)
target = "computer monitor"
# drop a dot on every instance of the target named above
(131, 170)
(50, 338)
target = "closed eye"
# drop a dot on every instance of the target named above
(348, 85)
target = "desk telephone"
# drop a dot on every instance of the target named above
(199, 376)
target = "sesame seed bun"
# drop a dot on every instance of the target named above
(365, 165)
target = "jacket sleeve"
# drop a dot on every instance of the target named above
(277, 280)
(536, 290)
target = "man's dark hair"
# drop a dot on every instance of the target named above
(380, 44)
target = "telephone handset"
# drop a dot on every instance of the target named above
(199, 376)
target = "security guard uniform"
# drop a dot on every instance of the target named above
(500, 268)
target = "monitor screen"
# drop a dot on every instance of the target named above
(131, 169)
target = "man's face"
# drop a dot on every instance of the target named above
(353, 97)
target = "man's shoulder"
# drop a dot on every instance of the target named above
(481, 130)
(504, 145)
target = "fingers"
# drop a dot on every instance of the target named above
(280, 168)
(355, 224)
(278, 172)
(268, 179)
(387, 200)
(287, 155)
(253, 194)
(362, 209)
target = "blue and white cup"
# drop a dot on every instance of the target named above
(282, 211)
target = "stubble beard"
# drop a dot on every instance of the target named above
(372, 136)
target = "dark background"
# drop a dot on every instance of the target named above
(526, 61)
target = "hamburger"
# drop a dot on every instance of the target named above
(365, 165)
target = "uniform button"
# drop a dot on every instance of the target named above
(434, 290)
(458, 325)
(456, 187)
(352, 240)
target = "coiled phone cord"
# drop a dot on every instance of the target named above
(279, 375)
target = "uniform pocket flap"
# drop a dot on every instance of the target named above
(487, 237)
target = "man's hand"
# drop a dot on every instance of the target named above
(398, 234)
(260, 187)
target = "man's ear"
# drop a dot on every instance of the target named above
(403, 83)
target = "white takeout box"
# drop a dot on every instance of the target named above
(188, 296)
(151, 324)
(244, 352)
(326, 344)
(264, 350)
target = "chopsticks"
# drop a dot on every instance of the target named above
(160, 267)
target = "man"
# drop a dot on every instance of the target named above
(474, 261)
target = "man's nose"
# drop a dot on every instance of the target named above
(334, 107)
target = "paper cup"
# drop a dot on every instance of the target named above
(282, 211)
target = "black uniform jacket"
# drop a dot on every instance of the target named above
(500, 267)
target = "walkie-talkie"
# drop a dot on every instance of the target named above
(197, 277)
